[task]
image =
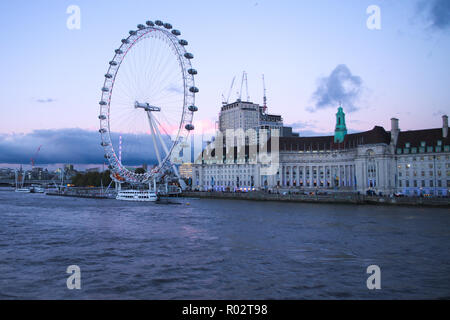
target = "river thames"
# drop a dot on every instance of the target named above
(219, 249)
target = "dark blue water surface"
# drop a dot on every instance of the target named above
(219, 249)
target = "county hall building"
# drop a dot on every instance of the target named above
(415, 162)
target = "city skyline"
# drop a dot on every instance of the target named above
(320, 54)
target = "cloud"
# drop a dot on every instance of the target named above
(436, 12)
(48, 100)
(301, 125)
(75, 146)
(341, 86)
(308, 129)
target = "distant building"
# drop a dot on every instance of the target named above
(192, 148)
(185, 170)
(248, 115)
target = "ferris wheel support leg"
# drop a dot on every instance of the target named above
(164, 147)
(152, 129)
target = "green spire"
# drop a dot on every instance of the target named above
(341, 129)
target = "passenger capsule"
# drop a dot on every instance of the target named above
(102, 130)
(140, 26)
(189, 55)
(193, 89)
(176, 32)
(183, 42)
(118, 51)
(193, 108)
(102, 103)
(158, 22)
(132, 32)
(102, 117)
(167, 26)
(106, 156)
(125, 41)
(105, 89)
(104, 144)
(192, 71)
(150, 23)
(108, 76)
(189, 127)
(113, 63)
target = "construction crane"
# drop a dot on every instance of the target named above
(244, 79)
(265, 97)
(33, 159)
(225, 101)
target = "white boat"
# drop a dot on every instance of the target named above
(136, 195)
(23, 190)
(38, 189)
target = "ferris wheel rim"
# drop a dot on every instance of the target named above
(185, 123)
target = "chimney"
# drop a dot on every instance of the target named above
(444, 126)
(394, 131)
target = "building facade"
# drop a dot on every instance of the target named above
(385, 162)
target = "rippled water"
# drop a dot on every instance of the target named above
(219, 249)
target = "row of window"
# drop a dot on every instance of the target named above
(423, 183)
(429, 149)
(423, 158)
(423, 173)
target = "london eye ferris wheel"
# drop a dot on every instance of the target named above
(148, 92)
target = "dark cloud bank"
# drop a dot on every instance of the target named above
(75, 146)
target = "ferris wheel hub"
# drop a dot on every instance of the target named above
(146, 106)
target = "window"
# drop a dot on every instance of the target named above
(439, 183)
(423, 183)
(431, 183)
(415, 183)
(422, 143)
(407, 145)
(399, 183)
(407, 183)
